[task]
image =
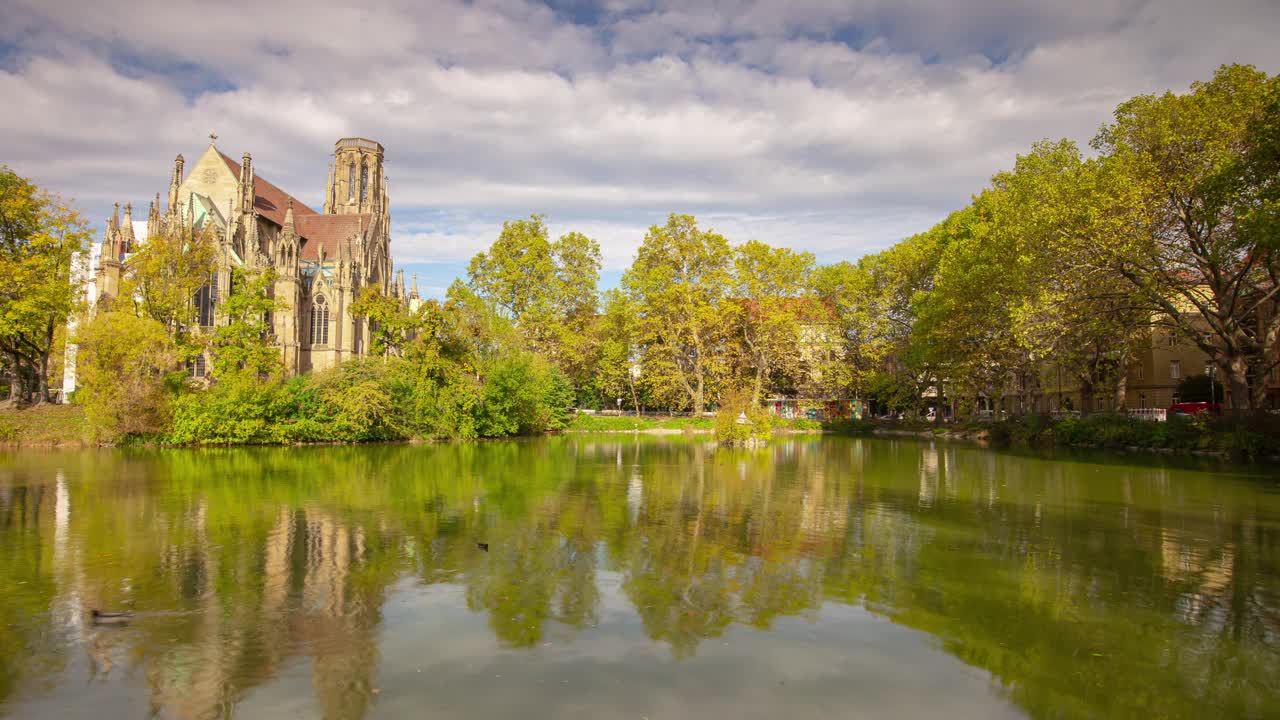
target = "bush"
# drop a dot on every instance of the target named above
(756, 428)
(125, 367)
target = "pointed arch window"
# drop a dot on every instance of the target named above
(351, 181)
(206, 299)
(320, 321)
(364, 183)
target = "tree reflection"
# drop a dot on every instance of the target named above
(1084, 589)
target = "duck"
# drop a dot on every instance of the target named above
(110, 618)
(483, 546)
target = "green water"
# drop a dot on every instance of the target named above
(636, 578)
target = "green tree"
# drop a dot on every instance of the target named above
(242, 347)
(619, 354)
(769, 284)
(40, 236)
(125, 368)
(1214, 278)
(548, 289)
(679, 283)
(163, 276)
(391, 323)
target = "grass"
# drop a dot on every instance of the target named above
(623, 423)
(46, 425)
(618, 423)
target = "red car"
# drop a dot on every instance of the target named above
(1195, 408)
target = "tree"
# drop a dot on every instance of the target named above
(548, 289)
(615, 338)
(163, 276)
(1052, 209)
(40, 236)
(242, 347)
(1214, 277)
(678, 283)
(769, 284)
(391, 323)
(1199, 388)
(124, 364)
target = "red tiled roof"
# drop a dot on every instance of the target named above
(270, 200)
(327, 230)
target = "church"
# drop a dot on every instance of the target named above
(322, 259)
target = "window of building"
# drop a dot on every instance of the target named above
(196, 367)
(206, 298)
(351, 181)
(320, 322)
(1173, 339)
(1175, 369)
(364, 183)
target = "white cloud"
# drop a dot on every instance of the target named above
(753, 115)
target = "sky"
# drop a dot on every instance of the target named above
(833, 127)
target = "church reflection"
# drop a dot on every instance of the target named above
(243, 565)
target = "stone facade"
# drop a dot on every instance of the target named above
(322, 259)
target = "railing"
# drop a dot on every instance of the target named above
(1061, 414)
(1151, 414)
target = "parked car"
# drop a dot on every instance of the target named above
(1194, 408)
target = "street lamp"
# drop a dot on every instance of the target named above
(1208, 370)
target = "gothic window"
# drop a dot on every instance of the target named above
(196, 366)
(364, 183)
(351, 181)
(206, 299)
(320, 322)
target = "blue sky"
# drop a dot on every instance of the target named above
(833, 127)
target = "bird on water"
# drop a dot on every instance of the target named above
(110, 618)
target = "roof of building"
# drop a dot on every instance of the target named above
(327, 231)
(270, 200)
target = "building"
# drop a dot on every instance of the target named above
(322, 259)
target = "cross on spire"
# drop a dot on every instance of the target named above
(213, 137)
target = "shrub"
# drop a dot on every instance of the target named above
(126, 370)
(755, 428)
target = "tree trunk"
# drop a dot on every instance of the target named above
(755, 392)
(1237, 368)
(44, 362)
(1086, 396)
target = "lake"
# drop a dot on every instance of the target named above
(636, 577)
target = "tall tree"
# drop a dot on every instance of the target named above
(1190, 255)
(618, 354)
(40, 235)
(769, 284)
(547, 288)
(164, 275)
(391, 323)
(679, 283)
(242, 346)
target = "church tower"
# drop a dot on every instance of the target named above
(356, 181)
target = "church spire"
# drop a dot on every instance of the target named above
(153, 218)
(126, 230)
(288, 219)
(246, 183)
(328, 192)
(413, 293)
(175, 181)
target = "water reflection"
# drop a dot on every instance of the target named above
(282, 577)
